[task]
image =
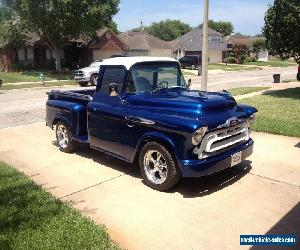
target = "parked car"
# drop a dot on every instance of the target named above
(142, 110)
(298, 74)
(88, 74)
(190, 61)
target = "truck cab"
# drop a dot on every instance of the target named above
(142, 110)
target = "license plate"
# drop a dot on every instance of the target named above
(236, 158)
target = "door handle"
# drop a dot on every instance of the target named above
(130, 125)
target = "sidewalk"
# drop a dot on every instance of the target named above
(20, 83)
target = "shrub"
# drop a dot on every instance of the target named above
(231, 59)
(250, 59)
(225, 60)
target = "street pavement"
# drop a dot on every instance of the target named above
(247, 78)
(260, 196)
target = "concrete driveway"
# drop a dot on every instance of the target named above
(258, 197)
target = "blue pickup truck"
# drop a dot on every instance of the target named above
(142, 110)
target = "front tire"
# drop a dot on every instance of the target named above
(83, 84)
(94, 79)
(298, 77)
(158, 167)
(64, 138)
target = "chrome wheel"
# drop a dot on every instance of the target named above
(62, 136)
(155, 167)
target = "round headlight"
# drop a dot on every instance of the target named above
(198, 135)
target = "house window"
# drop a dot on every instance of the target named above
(30, 54)
(48, 54)
(21, 54)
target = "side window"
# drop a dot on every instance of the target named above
(112, 75)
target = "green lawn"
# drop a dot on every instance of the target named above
(246, 90)
(30, 218)
(32, 85)
(278, 112)
(32, 76)
(273, 63)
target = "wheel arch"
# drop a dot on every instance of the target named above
(61, 119)
(160, 139)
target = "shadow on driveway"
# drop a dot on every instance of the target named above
(288, 224)
(188, 187)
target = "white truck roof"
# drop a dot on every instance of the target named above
(128, 62)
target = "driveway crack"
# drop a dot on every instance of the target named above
(95, 185)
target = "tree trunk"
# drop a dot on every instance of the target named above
(57, 60)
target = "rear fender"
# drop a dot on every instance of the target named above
(59, 118)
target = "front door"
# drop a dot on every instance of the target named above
(106, 115)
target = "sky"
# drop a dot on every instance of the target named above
(247, 16)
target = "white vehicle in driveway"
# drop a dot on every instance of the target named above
(89, 74)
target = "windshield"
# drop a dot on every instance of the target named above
(155, 76)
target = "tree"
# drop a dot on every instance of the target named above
(167, 30)
(225, 28)
(57, 22)
(241, 51)
(259, 45)
(282, 28)
(12, 35)
(114, 27)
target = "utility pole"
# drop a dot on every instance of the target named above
(205, 47)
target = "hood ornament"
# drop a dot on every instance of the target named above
(230, 122)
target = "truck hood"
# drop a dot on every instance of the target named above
(194, 108)
(90, 69)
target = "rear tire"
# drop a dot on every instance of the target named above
(298, 77)
(83, 84)
(158, 167)
(64, 138)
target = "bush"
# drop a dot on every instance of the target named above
(231, 60)
(250, 59)
(243, 58)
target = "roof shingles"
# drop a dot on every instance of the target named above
(143, 41)
(192, 41)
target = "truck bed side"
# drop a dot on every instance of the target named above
(69, 107)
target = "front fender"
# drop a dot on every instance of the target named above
(158, 137)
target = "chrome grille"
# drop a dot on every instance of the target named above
(79, 73)
(222, 139)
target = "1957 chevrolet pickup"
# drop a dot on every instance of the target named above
(142, 109)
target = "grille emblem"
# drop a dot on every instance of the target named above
(230, 122)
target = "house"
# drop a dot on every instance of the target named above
(247, 40)
(143, 44)
(191, 44)
(35, 53)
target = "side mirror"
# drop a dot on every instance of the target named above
(113, 89)
(189, 83)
